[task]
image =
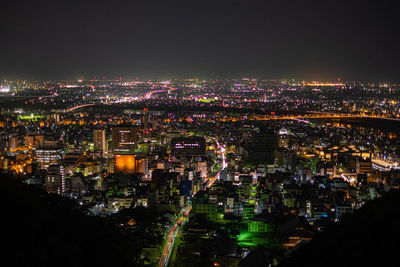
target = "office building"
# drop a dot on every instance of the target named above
(99, 140)
(188, 146)
(363, 166)
(55, 180)
(47, 156)
(128, 164)
(124, 138)
(262, 146)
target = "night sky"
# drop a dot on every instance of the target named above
(304, 39)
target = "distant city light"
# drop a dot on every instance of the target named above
(4, 89)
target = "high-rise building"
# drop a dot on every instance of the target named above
(202, 168)
(55, 179)
(99, 140)
(124, 138)
(29, 140)
(285, 158)
(262, 146)
(39, 141)
(127, 164)
(145, 167)
(47, 156)
(284, 138)
(189, 146)
(34, 140)
(363, 166)
(13, 143)
(146, 122)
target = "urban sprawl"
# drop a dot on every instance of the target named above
(217, 167)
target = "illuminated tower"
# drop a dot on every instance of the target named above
(99, 140)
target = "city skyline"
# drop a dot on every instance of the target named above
(200, 173)
(225, 133)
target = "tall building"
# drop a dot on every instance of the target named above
(29, 140)
(39, 141)
(363, 166)
(99, 140)
(262, 146)
(285, 158)
(128, 164)
(188, 146)
(145, 167)
(202, 168)
(47, 156)
(124, 138)
(13, 143)
(284, 138)
(55, 179)
(146, 126)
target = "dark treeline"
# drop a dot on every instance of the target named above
(39, 229)
(368, 237)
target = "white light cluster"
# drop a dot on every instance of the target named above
(4, 89)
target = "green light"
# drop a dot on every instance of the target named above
(30, 117)
(244, 236)
(246, 244)
(206, 100)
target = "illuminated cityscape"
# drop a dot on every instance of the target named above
(163, 138)
(213, 165)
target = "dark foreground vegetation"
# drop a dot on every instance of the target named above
(39, 229)
(369, 237)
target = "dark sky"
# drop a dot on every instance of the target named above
(303, 39)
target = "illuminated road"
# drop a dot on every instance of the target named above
(324, 115)
(41, 97)
(302, 118)
(149, 94)
(171, 239)
(211, 179)
(80, 106)
(223, 153)
(169, 245)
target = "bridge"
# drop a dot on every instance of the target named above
(80, 106)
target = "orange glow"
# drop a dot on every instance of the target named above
(21, 148)
(126, 163)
